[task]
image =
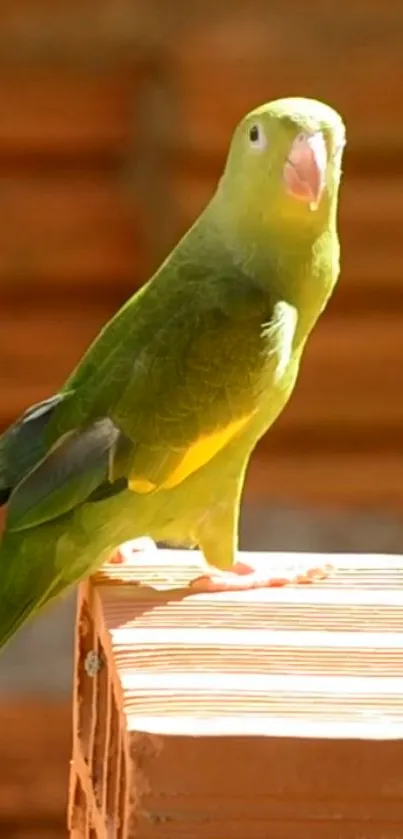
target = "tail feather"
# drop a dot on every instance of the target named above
(34, 568)
(45, 547)
(24, 587)
(11, 621)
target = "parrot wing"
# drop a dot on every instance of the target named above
(190, 393)
(197, 385)
(75, 469)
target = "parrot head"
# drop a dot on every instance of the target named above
(284, 165)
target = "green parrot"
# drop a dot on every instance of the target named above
(152, 433)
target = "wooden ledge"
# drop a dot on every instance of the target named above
(226, 715)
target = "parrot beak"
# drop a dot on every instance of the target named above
(305, 168)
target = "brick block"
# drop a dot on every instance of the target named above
(272, 713)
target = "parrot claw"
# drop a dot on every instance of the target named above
(244, 577)
(124, 553)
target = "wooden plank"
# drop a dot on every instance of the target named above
(350, 376)
(371, 479)
(39, 349)
(75, 228)
(65, 112)
(82, 31)
(252, 56)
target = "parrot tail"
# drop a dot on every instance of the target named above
(41, 554)
(28, 577)
(19, 589)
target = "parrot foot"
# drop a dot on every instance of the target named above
(244, 577)
(124, 553)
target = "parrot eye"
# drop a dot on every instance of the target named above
(257, 138)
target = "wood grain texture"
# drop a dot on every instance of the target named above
(64, 112)
(255, 55)
(96, 33)
(72, 229)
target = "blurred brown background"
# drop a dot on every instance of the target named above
(115, 117)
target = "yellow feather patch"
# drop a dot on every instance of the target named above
(203, 450)
(141, 485)
(199, 453)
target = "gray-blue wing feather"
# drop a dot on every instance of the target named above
(23, 444)
(73, 471)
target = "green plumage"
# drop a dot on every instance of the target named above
(210, 345)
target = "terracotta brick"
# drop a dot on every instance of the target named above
(34, 755)
(238, 715)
